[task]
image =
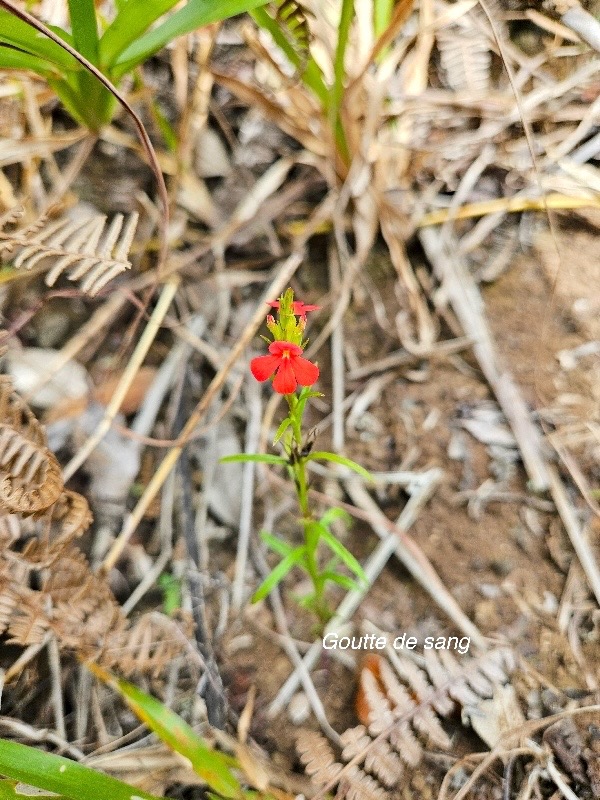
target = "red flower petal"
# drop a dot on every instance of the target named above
(285, 380)
(302, 308)
(305, 371)
(264, 366)
(298, 307)
(281, 348)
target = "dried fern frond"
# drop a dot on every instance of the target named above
(465, 57)
(93, 253)
(10, 529)
(30, 475)
(71, 516)
(72, 602)
(400, 705)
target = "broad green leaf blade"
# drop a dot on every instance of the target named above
(213, 767)
(193, 15)
(265, 458)
(345, 462)
(85, 29)
(85, 40)
(344, 555)
(61, 775)
(133, 19)
(16, 32)
(11, 58)
(275, 544)
(280, 571)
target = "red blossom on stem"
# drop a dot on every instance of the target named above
(290, 368)
(299, 308)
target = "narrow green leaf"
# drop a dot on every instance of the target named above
(280, 571)
(344, 555)
(282, 429)
(193, 15)
(213, 767)
(264, 458)
(275, 544)
(342, 580)
(61, 775)
(335, 513)
(345, 462)
(171, 589)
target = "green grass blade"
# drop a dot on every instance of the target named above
(212, 766)
(382, 15)
(84, 28)
(17, 33)
(345, 462)
(61, 775)
(193, 15)
(92, 94)
(11, 58)
(339, 72)
(263, 458)
(132, 21)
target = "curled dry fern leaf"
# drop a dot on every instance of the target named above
(465, 57)
(92, 253)
(30, 475)
(400, 705)
(291, 17)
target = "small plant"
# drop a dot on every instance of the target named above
(287, 23)
(222, 773)
(293, 376)
(126, 42)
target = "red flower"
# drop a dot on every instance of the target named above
(291, 368)
(298, 308)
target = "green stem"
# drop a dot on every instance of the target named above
(339, 72)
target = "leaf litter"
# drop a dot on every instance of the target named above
(438, 141)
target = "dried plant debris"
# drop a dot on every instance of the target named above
(81, 243)
(401, 706)
(568, 739)
(46, 584)
(30, 476)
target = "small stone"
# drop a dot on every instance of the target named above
(298, 709)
